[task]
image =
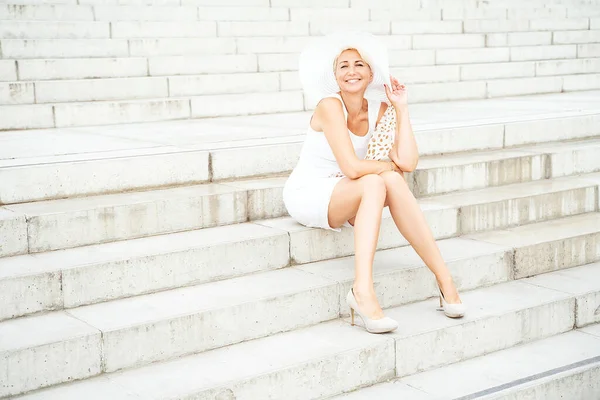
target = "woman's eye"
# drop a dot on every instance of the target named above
(343, 66)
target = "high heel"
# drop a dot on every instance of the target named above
(451, 310)
(382, 325)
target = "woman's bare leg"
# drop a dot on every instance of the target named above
(362, 199)
(411, 223)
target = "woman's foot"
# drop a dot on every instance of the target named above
(367, 303)
(449, 291)
(376, 322)
(450, 301)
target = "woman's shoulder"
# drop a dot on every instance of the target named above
(326, 108)
(330, 103)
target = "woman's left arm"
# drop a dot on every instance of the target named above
(404, 151)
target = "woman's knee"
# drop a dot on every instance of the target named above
(373, 184)
(394, 180)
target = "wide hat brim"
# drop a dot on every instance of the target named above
(317, 70)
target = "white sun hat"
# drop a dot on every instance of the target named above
(317, 70)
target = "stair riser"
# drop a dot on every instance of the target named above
(468, 138)
(319, 244)
(97, 282)
(577, 162)
(8, 70)
(30, 294)
(203, 331)
(514, 212)
(553, 256)
(320, 378)
(39, 182)
(75, 68)
(47, 365)
(46, 12)
(265, 160)
(462, 342)
(412, 66)
(62, 230)
(104, 282)
(266, 203)
(54, 30)
(17, 107)
(13, 231)
(583, 383)
(548, 130)
(101, 225)
(416, 284)
(479, 175)
(588, 309)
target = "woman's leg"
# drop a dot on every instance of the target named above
(362, 199)
(411, 223)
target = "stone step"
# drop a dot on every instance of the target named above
(502, 316)
(115, 171)
(54, 30)
(103, 272)
(57, 224)
(229, 66)
(308, 245)
(409, 4)
(32, 163)
(562, 366)
(235, 81)
(499, 32)
(524, 203)
(555, 244)
(131, 88)
(72, 12)
(17, 111)
(90, 48)
(226, 65)
(154, 39)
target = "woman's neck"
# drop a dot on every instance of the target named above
(354, 103)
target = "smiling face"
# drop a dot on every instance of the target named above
(352, 73)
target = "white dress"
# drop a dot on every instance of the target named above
(308, 190)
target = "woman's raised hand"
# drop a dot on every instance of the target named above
(396, 93)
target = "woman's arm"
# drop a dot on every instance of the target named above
(405, 151)
(330, 116)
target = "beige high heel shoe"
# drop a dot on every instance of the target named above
(451, 310)
(382, 325)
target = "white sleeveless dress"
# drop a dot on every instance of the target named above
(308, 190)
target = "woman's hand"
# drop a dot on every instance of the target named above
(396, 93)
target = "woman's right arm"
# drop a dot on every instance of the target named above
(330, 117)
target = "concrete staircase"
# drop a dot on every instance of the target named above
(108, 62)
(155, 260)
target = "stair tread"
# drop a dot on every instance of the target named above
(320, 342)
(511, 369)
(169, 242)
(541, 232)
(81, 257)
(513, 191)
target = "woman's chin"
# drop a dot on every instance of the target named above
(353, 89)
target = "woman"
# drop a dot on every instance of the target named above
(333, 185)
